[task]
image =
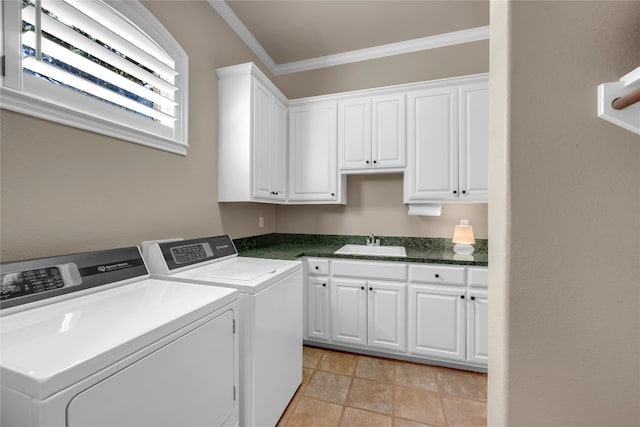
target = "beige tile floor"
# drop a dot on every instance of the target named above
(345, 389)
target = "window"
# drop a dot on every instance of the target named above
(105, 66)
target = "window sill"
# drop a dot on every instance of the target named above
(31, 105)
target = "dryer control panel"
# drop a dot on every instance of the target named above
(186, 254)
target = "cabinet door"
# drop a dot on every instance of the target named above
(262, 150)
(388, 141)
(386, 312)
(436, 322)
(313, 153)
(349, 311)
(432, 145)
(473, 146)
(354, 134)
(318, 308)
(477, 327)
(280, 154)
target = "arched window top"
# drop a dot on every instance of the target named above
(105, 66)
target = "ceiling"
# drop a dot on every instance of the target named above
(299, 30)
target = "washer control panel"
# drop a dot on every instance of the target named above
(43, 279)
(32, 280)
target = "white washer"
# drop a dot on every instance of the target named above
(270, 315)
(90, 340)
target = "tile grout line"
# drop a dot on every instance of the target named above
(393, 394)
(344, 404)
(370, 411)
(444, 412)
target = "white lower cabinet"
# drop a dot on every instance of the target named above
(369, 313)
(386, 315)
(477, 327)
(349, 311)
(423, 311)
(317, 307)
(437, 321)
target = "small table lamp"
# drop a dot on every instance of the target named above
(463, 238)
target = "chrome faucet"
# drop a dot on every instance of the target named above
(371, 240)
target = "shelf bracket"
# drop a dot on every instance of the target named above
(627, 89)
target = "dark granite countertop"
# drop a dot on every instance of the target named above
(295, 246)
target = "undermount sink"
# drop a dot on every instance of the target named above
(396, 251)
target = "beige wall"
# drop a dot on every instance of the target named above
(451, 61)
(67, 190)
(375, 206)
(565, 279)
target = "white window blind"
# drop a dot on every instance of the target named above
(88, 57)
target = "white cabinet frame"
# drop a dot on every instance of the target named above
(386, 315)
(419, 311)
(317, 307)
(313, 150)
(437, 322)
(349, 311)
(478, 327)
(372, 134)
(275, 150)
(252, 138)
(447, 142)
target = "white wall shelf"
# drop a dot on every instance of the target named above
(627, 86)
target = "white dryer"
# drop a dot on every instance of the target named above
(270, 295)
(90, 340)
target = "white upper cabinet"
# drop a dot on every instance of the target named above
(388, 137)
(447, 142)
(262, 131)
(371, 134)
(474, 142)
(280, 150)
(354, 134)
(252, 140)
(313, 154)
(433, 144)
(274, 150)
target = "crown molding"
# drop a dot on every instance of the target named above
(234, 22)
(408, 46)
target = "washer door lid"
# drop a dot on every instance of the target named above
(48, 348)
(240, 269)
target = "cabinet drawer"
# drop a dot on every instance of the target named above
(318, 266)
(479, 277)
(372, 270)
(437, 274)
